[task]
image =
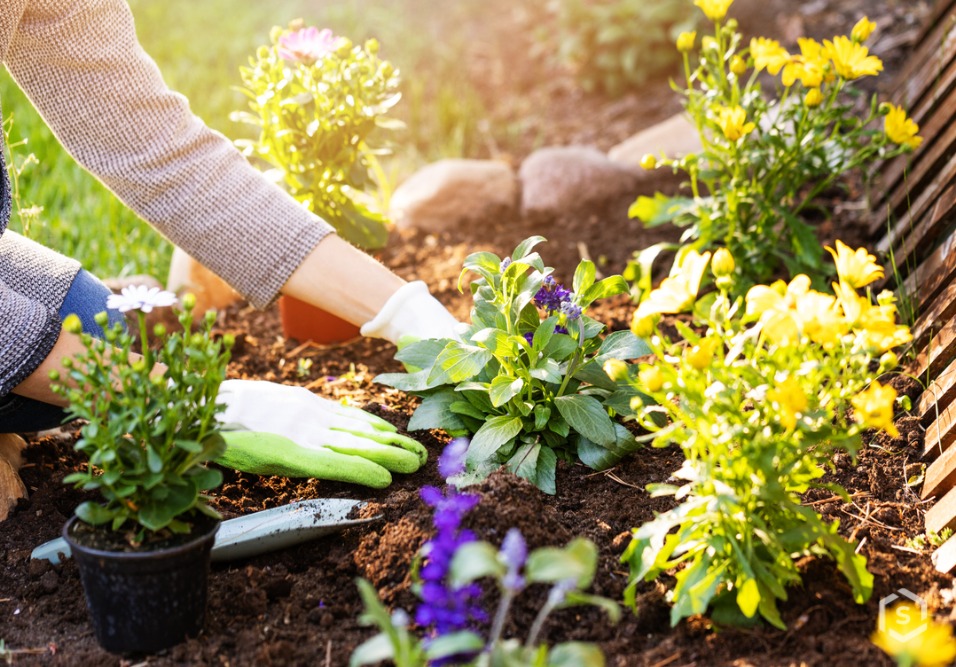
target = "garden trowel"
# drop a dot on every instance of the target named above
(260, 532)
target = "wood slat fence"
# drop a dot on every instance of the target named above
(915, 213)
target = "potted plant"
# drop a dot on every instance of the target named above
(319, 103)
(143, 552)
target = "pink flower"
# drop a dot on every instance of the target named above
(306, 45)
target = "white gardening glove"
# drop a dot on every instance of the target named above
(274, 429)
(412, 313)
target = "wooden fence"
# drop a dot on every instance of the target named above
(916, 215)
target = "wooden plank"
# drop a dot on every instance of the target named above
(938, 396)
(935, 318)
(944, 558)
(938, 270)
(938, 353)
(942, 515)
(937, 150)
(940, 474)
(924, 222)
(940, 434)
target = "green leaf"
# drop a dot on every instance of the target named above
(456, 643)
(485, 264)
(577, 599)
(575, 654)
(594, 374)
(542, 413)
(543, 333)
(546, 471)
(421, 354)
(525, 247)
(94, 514)
(503, 389)
(583, 276)
(496, 341)
(524, 462)
(560, 347)
(459, 362)
(652, 211)
(378, 648)
(548, 370)
(492, 435)
(435, 412)
(604, 288)
(409, 382)
(588, 417)
(577, 561)
(464, 408)
(472, 561)
(748, 597)
(598, 457)
(622, 345)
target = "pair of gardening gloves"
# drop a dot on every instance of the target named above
(274, 429)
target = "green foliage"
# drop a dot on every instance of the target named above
(316, 117)
(758, 394)
(528, 385)
(766, 160)
(148, 434)
(616, 45)
(569, 571)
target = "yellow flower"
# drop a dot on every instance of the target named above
(873, 408)
(850, 59)
(768, 54)
(651, 378)
(677, 292)
(702, 354)
(862, 30)
(686, 41)
(648, 161)
(879, 329)
(715, 10)
(642, 327)
(913, 639)
(733, 122)
(738, 65)
(723, 263)
(790, 400)
(852, 303)
(820, 318)
(616, 369)
(813, 98)
(855, 268)
(900, 129)
(809, 67)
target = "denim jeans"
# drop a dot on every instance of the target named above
(85, 298)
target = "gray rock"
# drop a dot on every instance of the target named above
(449, 192)
(559, 179)
(674, 137)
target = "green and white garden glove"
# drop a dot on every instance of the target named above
(275, 429)
(411, 314)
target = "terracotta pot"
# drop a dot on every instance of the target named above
(305, 322)
(145, 601)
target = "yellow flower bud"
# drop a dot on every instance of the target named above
(371, 45)
(889, 361)
(159, 331)
(54, 376)
(139, 366)
(708, 43)
(228, 340)
(813, 98)
(648, 162)
(189, 301)
(102, 319)
(686, 41)
(722, 263)
(862, 30)
(738, 65)
(643, 327)
(702, 354)
(651, 378)
(615, 369)
(72, 324)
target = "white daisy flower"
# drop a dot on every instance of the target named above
(140, 297)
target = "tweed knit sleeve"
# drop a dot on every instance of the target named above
(29, 332)
(83, 68)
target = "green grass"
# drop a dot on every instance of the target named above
(199, 46)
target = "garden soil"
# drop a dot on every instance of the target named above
(300, 606)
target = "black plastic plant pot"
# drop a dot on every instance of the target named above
(145, 601)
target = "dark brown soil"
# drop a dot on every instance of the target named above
(300, 606)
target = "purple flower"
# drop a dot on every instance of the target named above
(306, 45)
(513, 552)
(551, 295)
(561, 330)
(443, 607)
(572, 311)
(529, 337)
(505, 263)
(452, 459)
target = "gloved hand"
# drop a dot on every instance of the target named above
(274, 429)
(412, 313)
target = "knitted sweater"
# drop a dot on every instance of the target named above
(80, 64)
